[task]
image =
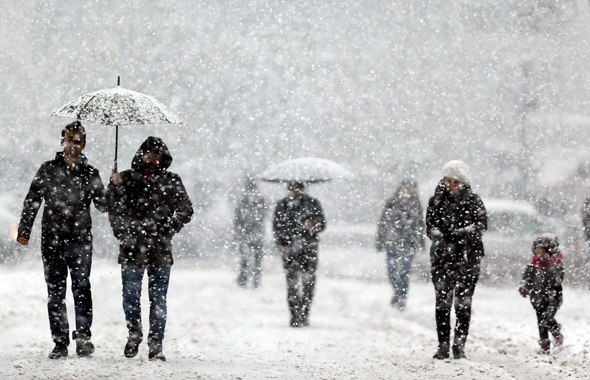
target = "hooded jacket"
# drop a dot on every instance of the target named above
(146, 211)
(455, 223)
(68, 194)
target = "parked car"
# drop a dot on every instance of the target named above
(512, 227)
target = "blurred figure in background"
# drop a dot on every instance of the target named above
(455, 222)
(401, 233)
(542, 280)
(249, 215)
(297, 222)
(586, 224)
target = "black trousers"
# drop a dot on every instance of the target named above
(74, 256)
(458, 282)
(300, 268)
(545, 308)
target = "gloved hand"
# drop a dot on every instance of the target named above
(523, 291)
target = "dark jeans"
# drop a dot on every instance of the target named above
(158, 279)
(57, 259)
(459, 282)
(399, 263)
(300, 268)
(251, 254)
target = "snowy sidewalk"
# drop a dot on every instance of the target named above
(219, 331)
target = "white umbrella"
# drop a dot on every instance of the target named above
(117, 106)
(306, 170)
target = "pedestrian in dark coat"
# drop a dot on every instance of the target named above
(401, 233)
(542, 281)
(298, 219)
(68, 185)
(148, 205)
(249, 215)
(455, 222)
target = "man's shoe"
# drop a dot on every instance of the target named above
(156, 354)
(459, 352)
(131, 348)
(84, 347)
(59, 351)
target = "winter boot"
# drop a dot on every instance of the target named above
(459, 351)
(394, 300)
(84, 347)
(443, 352)
(558, 336)
(545, 346)
(132, 347)
(59, 351)
(155, 353)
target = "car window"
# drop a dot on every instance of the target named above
(508, 223)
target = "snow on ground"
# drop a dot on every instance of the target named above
(217, 330)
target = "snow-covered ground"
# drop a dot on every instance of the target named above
(217, 330)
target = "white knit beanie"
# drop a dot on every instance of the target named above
(458, 170)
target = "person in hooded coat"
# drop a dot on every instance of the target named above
(542, 280)
(68, 185)
(147, 205)
(249, 215)
(297, 221)
(456, 219)
(401, 233)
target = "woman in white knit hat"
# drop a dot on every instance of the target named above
(455, 222)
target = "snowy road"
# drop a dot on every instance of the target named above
(219, 331)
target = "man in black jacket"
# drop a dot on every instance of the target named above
(297, 221)
(147, 206)
(68, 185)
(455, 222)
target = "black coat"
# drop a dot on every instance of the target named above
(544, 284)
(146, 212)
(68, 194)
(455, 224)
(401, 224)
(290, 216)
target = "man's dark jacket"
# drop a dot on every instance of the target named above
(455, 223)
(67, 194)
(146, 212)
(290, 216)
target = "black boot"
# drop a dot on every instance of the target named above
(156, 354)
(459, 351)
(443, 352)
(131, 348)
(545, 346)
(59, 351)
(558, 336)
(84, 347)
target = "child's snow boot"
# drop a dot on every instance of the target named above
(558, 336)
(545, 346)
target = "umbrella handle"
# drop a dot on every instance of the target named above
(116, 146)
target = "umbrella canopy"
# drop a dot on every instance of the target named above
(306, 170)
(117, 106)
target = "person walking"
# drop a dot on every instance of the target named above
(456, 219)
(401, 233)
(586, 226)
(297, 221)
(68, 185)
(249, 215)
(148, 205)
(542, 281)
